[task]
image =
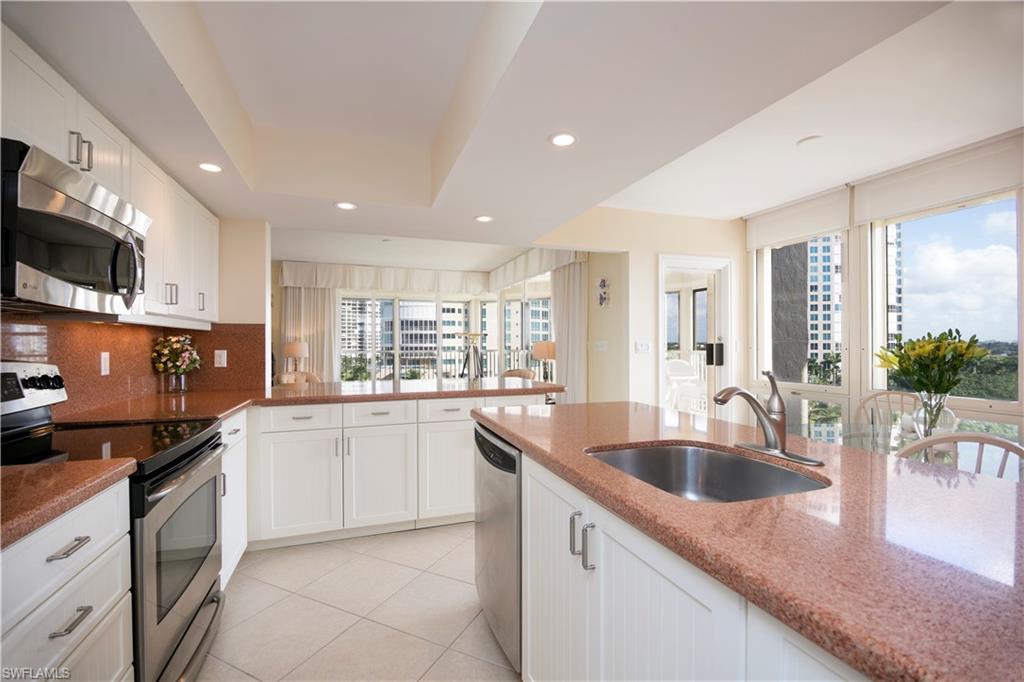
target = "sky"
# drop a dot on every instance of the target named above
(960, 271)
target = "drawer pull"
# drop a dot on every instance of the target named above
(78, 543)
(83, 613)
(453, 409)
(382, 413)
(303, 418)
(234, 431)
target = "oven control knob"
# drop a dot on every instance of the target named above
(45, 382)
(30, 382)
(57, 380)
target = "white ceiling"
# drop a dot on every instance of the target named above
(641, 84)
(362, 249)
(344, 68)
(949, 80)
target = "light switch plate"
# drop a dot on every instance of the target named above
(104, 363)
(220, 358)
(600, 346)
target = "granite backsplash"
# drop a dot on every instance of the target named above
(75, 347)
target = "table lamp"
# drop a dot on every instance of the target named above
(296, 350)
(544, 351)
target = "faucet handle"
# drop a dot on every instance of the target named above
(775, 402)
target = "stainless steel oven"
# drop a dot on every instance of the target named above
(68, 243)
(176, 547)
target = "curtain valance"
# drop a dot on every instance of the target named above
(828, 212)
(374, 278)
(530, 264)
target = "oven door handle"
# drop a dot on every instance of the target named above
(175, 483)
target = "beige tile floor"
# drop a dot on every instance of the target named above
(399, 606)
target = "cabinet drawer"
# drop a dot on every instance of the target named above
(70, 542)
(107, 652)
(513, 400)
(78, 607)
(448, 409)
(232, 429)
(380, 413)
(301, 417)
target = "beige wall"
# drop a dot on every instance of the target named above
(245, 276)
(608, 329)
(643, 236)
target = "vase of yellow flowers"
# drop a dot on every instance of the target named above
(173, 358)
(931, 366)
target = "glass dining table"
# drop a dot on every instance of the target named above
(890, 440)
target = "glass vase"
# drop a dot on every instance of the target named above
(174, 383)
(933, 417)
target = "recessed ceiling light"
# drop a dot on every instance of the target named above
(345, 205)
(810, 138)
(563, 139)
(210, 167)
(484, 218)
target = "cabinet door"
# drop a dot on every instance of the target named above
(106, 151)
(555, 585)
(150, 192)
(179, 259)
(446, 453)
(776, 652)
(653, 615)
(380, 475)
(300, 482)
(206, 248)
(38, 105)
(233, 525)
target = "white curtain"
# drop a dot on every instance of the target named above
(569, 317)
(310, 315)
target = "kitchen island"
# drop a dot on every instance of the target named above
(898, 569)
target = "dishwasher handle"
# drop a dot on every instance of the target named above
(495, 451)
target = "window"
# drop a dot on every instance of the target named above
(790, 302)
(672, 300)
(700, 319)
(455, 322)
(418, 343)
(958, 269)
(360, 336)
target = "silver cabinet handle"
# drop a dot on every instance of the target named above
(572, 533)
(88, 155)
(82, 613)
(223, 484)
(75, 139)
(383, 413)
(78, 543)
(234, 431)
(175, 293)
(202, 301)
(348, 447)
(585, 554)
(168, 296)
(453, 409)
(303, 418)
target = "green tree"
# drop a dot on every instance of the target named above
(354, 368)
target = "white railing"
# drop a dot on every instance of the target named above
(425, 364)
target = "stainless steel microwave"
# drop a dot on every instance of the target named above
(68, 243)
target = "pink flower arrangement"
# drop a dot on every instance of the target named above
(175, 355)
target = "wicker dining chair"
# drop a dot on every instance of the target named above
(520, 373)
(879, 407)
(952, 441)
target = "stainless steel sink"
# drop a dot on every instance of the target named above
(706, 474)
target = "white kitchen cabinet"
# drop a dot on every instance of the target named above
(106, 151)
(777, 652)
(380, 475)
(150, 192)
(446, 458)
(179, 256)
(39, 107)
(206, 248)
(513, 400)
(556, 588)
(638, 611)
(234, 532)
(300, 483)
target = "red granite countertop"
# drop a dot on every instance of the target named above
(34, 494)
(214, 404)
(904, 570)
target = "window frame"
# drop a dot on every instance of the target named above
(693, 318)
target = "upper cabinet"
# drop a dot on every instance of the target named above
(182, 244)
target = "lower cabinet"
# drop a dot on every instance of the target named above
(777, 652)
(300, 482)
(379, 479)
(446, 458)
(233, 510)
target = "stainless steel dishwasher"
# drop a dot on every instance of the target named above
(498, 540)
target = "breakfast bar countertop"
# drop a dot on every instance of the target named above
(35, 494)
(902, 569)
(220, 404)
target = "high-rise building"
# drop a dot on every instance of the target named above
(824, 297)
(894, 282)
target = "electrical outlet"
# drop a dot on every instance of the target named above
(600, 346)
(104, 364)
(220, 358)
(642, 347)
(105, 450)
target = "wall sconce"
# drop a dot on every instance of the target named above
(602, 292)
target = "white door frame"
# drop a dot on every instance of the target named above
(725, 320)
